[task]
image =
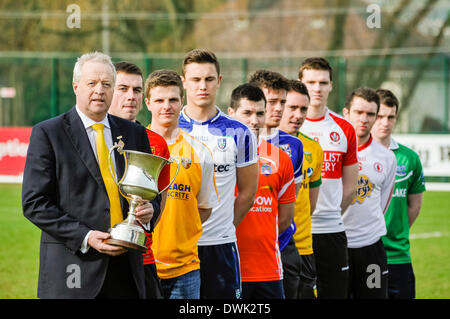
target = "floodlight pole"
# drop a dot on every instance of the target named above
(105, 26)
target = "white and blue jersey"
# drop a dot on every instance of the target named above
(233, 145)
(293, 146)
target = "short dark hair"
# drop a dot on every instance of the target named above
(368, 94)
(200, 56)
(299, 87)
(388, 98)
(164, 78)
(269, 79)
(315, 63)
(247, 91)
(128, 67)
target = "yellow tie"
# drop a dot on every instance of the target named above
(110, 184)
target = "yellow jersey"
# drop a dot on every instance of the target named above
(312, 171)
(176, 235)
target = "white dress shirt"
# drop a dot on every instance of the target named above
(92, 135)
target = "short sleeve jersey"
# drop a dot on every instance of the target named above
(294, 148)
(233, 145)
(409, 179)
(337, 138)
(158, 147)
(364, 218)
(257, 234)
(175, 236)
(312, 170)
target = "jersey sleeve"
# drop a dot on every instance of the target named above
(418, 179)
(298, 170)
(207, 196)
(351, 157)
(246, 147)
(287, 189)
(316, 177)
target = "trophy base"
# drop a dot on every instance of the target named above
(126, 244)
(128, 234)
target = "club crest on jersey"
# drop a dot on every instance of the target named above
(308, 156)
(186, 162)
(222, 143)
(364, 190)
(267, 187)
(401, 170)
(378, 167)
(266, 169)
(335, 137)
(287, 149)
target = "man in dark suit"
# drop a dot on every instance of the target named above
(64, 193)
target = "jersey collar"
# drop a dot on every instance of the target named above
(209, 121)
(271, 134)
(366, 144)
(320, 118)
(393, 145)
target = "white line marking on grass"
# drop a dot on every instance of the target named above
(442, 187)
(427, 235)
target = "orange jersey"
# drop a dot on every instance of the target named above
(257, 234)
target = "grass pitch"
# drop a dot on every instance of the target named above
(19, 253)
(430, 247)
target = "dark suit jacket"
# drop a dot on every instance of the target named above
(64, 195)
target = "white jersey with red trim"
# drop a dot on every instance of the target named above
(337, 138)
(364, 218)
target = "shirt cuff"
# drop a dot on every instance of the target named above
(84, 245)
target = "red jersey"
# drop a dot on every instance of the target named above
(257, 234)
(159, 147)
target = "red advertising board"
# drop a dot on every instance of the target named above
(14, 143)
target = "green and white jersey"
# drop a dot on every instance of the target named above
(409, 179)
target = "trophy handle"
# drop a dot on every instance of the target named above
(171, 160)
(119, 149)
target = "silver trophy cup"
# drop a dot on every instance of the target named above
(139, 182)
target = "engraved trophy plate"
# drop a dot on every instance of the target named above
(139, 181)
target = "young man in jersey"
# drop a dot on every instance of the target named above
(406, 200)
(296, 108)
(273, 209)
(126, 103)
(190, 198)
(337, 138)
(234, 152)
(275, 86)
(364, 218)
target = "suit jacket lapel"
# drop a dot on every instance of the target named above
(117, 131)
(79, 139)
